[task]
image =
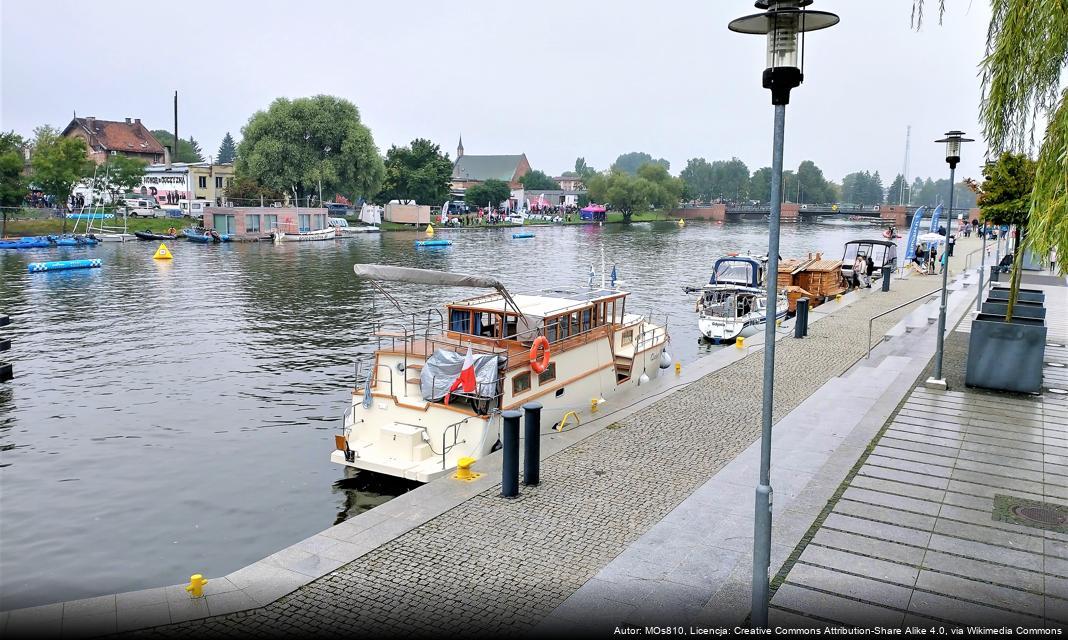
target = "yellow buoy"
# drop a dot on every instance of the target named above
(682, 223)
(163, 253)
(196, 585)
(429, 230)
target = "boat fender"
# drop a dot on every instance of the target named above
(539, 366)
(665, 359)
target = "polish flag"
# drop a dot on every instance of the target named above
(466, 379)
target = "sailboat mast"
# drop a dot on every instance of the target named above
(905, 170)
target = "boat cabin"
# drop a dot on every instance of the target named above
(737, 270)
(882, 253)
(557, 315)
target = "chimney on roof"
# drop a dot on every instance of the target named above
(90, 122)
(137, 120)
(127, 121)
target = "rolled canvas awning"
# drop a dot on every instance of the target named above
(431, 277)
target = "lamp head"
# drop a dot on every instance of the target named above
(952, 141)
(781, 21)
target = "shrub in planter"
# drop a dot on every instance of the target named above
(1006, 356)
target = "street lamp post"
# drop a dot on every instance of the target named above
(781, 23)
(952, 142)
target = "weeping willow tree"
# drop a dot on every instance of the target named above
(1022, 71)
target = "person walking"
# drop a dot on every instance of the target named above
(1053, 260)
(860, 266)
(951, 241)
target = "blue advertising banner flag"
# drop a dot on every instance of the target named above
(934, 219)
(914, 233)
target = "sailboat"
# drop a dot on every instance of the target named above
(104, 233)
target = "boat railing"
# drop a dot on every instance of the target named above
(371, 377)
(872, 319)
(445, 445)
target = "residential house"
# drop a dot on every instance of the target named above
(570, 183)
(169, 183)
(107, 137)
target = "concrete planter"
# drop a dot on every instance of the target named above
(1004, 356)
(1025, 295)
(1022, 309)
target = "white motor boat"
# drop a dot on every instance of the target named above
(433, 391)
(734, 302)
(326, 233)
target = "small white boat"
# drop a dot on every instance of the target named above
(114, 237)
(734, 302)
(344, 230)
(326, 233)
(433, 391)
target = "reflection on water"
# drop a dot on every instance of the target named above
(171, 418)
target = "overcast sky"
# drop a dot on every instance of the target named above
(553, 79)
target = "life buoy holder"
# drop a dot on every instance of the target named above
(539, 365)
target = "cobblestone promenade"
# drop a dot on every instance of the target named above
(495, 566)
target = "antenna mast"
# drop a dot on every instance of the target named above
(905, 172)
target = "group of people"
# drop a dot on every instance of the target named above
(863, 267)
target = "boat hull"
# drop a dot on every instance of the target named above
(307, 236)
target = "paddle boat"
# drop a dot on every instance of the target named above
(433, 391)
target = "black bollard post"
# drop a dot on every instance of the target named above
(510, 465)
(886, 277)
(532, 444)
(808, 306)
(800, 317)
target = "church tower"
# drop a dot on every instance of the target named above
(460, 148)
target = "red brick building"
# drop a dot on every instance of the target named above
(106, 137)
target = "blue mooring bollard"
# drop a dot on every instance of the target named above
(510, 465)
(532, 444)
(886, 277)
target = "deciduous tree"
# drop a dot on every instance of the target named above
(418, 171)
(296, 145)
(699, 179)
(632, 161)
(188, 150)
(59, 164)
(490, 192)
(13, 183)
(535, 179)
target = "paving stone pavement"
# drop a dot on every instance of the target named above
(924, 532)
(495, 566)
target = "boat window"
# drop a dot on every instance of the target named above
(460, 320)
(586, 317)
(628, 337)
(564, 323)
(511, 326)
(575, 324)
(270, 221)
(548, 375)
(850, 254)
(486, 324)
(551, 329)
(304, 222)
(878, 252)
(521, 383)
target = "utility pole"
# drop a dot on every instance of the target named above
(905, 171)
(175, 158)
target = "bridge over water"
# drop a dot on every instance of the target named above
(898, 215)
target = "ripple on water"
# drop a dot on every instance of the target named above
(170, 419)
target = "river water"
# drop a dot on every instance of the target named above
(171, 418)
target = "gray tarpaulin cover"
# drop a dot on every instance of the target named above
(442, 369)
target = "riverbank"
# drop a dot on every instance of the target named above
(54, 226)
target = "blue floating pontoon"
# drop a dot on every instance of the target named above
(525, 234)
(433, 243)
(62, 265)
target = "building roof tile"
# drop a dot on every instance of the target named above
(129, 137)
(486, 167)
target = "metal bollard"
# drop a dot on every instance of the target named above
(800, 317)
(532, 444)
(808, 307)
(510, 470)
(886, 277)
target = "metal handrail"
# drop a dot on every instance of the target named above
(872, 319)
(968, 258)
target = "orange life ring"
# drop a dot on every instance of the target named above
(541, 365)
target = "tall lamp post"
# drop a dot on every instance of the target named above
(952, 142)
(781, 22)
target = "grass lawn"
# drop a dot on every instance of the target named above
(54, 226)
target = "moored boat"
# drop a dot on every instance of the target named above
(434, 389)
(171, 234)
(204, 236)
(326, 233)
(734, 302)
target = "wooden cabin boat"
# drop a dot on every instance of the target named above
(813, 278)
(570, 350)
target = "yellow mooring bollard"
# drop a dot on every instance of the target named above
(838, 298)
(678, 368)
(196, 585)
(463, 469)
(593, 405)
(739, 342)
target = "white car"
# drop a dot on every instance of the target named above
(144, 212)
